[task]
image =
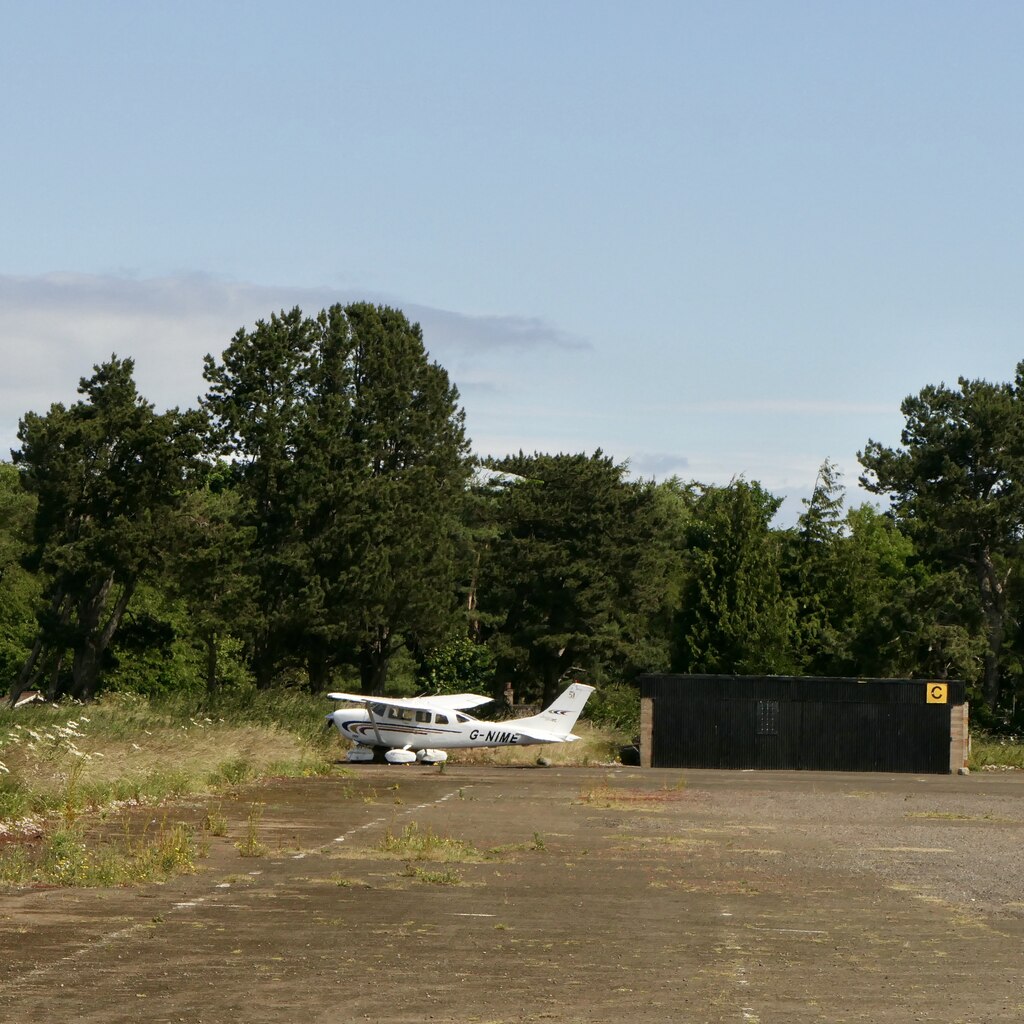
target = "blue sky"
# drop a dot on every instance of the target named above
(715, 239)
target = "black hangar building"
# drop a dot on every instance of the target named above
(803, 723)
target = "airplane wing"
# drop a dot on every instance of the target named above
(443, 702)
(455, 701)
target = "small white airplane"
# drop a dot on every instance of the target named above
(424, 728)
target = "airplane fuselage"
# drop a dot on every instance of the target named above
(423, 729)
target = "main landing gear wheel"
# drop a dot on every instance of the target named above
(430, 756)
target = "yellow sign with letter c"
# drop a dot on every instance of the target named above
(937, 693)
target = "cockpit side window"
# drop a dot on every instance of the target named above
(402, 714)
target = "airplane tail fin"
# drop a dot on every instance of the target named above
(561, 715)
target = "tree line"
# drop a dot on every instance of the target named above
(319, 518)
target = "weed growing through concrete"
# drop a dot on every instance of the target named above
(250, 845)
(950, 816)
(215, 823)
(609, 796)
(424, 844)
(448, 876)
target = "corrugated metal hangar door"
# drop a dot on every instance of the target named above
(802, 722)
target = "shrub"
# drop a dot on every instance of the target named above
(616, 706)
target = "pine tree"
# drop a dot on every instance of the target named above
(108, 474)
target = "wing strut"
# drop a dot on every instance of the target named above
(366, 702)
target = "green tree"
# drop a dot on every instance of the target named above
(459, 665)
(580, 568)
(893, 615)
(351, 453)
(812, 574)
(412, 467)
(108, 474)
(19, 589)
(257, 403)
(208, 572)
(734, 615)
(955, 488)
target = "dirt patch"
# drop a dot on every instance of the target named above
(565, 895)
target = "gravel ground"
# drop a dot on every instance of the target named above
(594, 895)
(955, 838)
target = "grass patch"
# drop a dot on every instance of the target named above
(448, 876)
(233, 772)
(950, 816)
(68, 857)
(537, 845)
(347, 883)
(608, 796)
(426, 845)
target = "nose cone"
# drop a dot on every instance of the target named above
(329, 721)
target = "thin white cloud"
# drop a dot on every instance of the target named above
(659, 465)
(54, 328)
(790, 407)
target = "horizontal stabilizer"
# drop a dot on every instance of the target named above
(542, 735)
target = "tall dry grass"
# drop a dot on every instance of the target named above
(996, 752)
(125, 749)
